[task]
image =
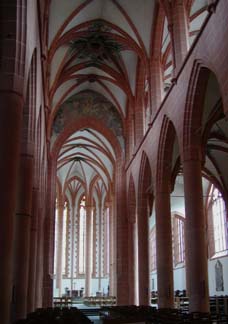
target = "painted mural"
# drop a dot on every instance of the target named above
(88, 104)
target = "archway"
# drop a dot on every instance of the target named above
(143, 214)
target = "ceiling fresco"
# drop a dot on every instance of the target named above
(88, 104)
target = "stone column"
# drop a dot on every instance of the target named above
(195, 234)
(121, 238)
(164, 250)
(33, 253)
(139, 106)
(179, 34)
(49, 234)
(143, 256)
(59, 248)
(88, 260)
(10, 131)
(39, 259)
(156, 84)
(22, 239)
(132, 261)
(111, 267)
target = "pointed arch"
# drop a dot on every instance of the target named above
(145, 180)
(194, 104)
(29, 110)
(166, 161)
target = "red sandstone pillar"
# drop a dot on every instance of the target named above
(195, 235)
(143, 256)
(88, 260)
(10, 131)
(59, 249)
(111, 247)
(179, 34)
(49, 235)
(164, 250)
(139, 104)
(132, 261)
(156, 84)
(33, 253)
(39, 260)
(22, 239)
(120, 239)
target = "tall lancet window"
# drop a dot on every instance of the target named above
(153, 256)
(82, 237)
(178, 239)
(56, 238)
(64, 240)
(106, 242)
(217, 224)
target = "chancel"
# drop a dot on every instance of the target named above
(114, 153)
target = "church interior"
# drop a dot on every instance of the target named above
(114, 154)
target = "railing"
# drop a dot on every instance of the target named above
(100, 300)
(62, 302)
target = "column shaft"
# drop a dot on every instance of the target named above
(132, 262)
(195, 238)
(179, 34)
(22, 240)
(164, 251)
(39, 261)
(59, 249)
(143, 256)
(33, 253)
(10, 131)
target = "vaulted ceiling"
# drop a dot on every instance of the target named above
(98, 55)
(94, 50)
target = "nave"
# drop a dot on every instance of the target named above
(113, 142)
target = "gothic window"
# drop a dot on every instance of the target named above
(197, 14)
(64, 240)
(60, 238)
(147, 112)
(217, 224)
(178, 239)
(153, 264)
(56, 239)
(106, 242)
(82, 237)
(166, 57)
